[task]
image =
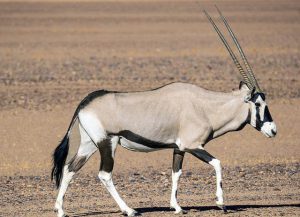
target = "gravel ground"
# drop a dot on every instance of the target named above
(52, 53)
(249, 191)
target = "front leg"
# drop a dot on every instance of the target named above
(176, 172)
(208, 158)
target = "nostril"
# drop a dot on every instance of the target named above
(274, 132)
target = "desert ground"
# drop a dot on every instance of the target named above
(53, 53)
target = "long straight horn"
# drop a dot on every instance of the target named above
(235, 60)
(248, 67)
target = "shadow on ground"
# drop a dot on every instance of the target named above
(230, 209)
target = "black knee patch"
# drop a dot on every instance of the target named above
(76, 163)
(202, 155)
(177, 160)
(107, 161)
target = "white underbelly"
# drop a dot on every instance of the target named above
(136, 146)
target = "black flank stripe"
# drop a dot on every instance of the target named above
(127, 134)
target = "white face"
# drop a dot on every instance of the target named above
(261, 118)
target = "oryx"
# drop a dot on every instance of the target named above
(178, 116)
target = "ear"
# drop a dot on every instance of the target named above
(249, 95)
(243, 85)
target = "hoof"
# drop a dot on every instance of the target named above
(134, 213)
(131, 213)
(223, 207)
(181, 212)
(63, 215)
(59, 214)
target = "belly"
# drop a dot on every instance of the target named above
(133, 146)
(134, 142)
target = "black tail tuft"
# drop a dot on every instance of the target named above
(59, 159)
(61, 152)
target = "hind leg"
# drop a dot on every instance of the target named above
(86, 149)
(107, 147)
(208, 158)
(176, 173)
(107, 151)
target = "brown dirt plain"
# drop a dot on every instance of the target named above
(52, 53)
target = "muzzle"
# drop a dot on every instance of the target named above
(269, 129)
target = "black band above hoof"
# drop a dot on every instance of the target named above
(183, 212)
(223, 208)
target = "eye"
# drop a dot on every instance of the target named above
(257, 104)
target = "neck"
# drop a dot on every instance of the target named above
(228, 113)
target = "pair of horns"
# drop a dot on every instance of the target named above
(248, 76)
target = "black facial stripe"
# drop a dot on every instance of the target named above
(127, 134)
(259, 123)
(267, 115)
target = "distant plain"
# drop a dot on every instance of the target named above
(53, 53)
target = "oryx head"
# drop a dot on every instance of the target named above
(260, 117)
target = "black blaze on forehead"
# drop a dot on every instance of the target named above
(255, 96)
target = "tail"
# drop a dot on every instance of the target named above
(60, 154)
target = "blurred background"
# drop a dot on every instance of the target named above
(53, 53)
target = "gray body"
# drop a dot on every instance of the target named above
(179, 113)
(180, 116)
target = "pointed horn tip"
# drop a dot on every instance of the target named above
(250, 76)
(242, 72)
(219, 11)
(207, 15)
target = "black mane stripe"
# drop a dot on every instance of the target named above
(91, 96)
(127, 134)
(99, 93)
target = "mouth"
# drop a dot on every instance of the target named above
(269, 129)
(269, 134)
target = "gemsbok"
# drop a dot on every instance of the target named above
(178, 116)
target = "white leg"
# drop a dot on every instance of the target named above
(107, 151)
(67, 177)
(106, 179)
(173, 202)
(86, 149)
(208, 158)
(217, 166)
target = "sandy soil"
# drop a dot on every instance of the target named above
(52, 53)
